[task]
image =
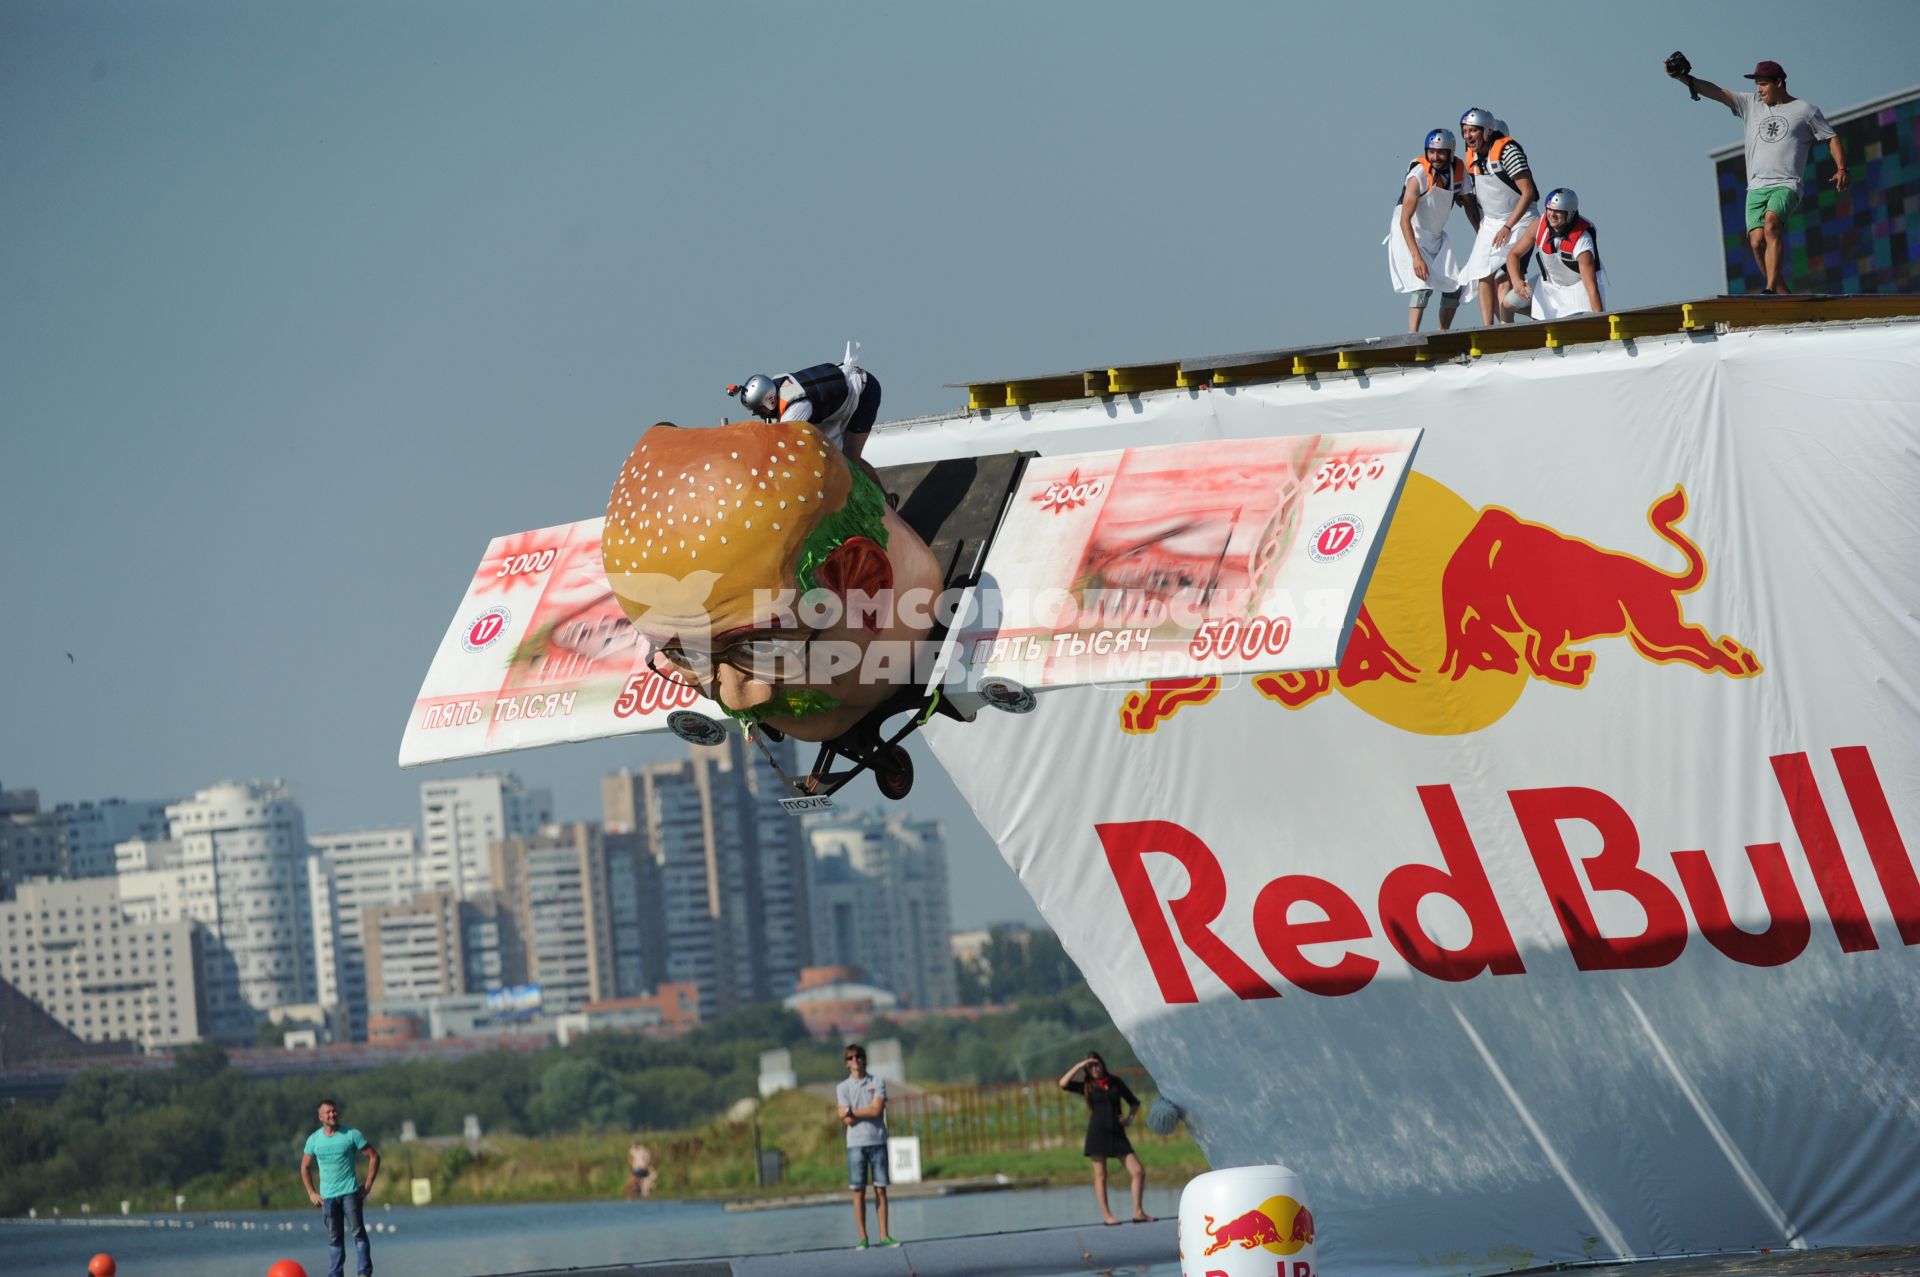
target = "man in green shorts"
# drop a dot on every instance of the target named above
(1781, 131)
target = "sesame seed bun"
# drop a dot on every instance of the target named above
(700, 520)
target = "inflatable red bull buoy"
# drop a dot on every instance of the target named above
(286, 1268)
(1247, 1221)
(102, 1265)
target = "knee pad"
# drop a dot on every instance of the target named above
(1451, 301)
(1418, 298)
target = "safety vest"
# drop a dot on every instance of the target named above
(1493, 158)
(1565, 248)
(822, 385)
(1456, 178)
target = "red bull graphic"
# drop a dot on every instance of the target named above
(1467, 606)
(1547, 821)
(1279, 1224)
(1514, 579)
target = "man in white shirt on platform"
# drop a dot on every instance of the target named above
(1780, 130)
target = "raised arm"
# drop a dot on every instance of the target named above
(1706, 89)
(1075, 1071)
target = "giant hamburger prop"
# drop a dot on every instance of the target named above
(757, 563)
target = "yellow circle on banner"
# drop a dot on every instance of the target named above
(1409, 642)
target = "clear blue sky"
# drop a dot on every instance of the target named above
(301, 303)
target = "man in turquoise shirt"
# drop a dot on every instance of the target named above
(340, 1193)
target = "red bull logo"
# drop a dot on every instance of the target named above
(1280, 1225)
(1468, 606)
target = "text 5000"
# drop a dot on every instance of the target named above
(1347, 474)
(516, 564)
(1231, 637)
(647, 692)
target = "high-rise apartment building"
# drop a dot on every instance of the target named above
(93, 830)
(106, 978)
(435, 946)
(351, 873)
(555, 886)
(732, 871)
(460, 821)
(33, 843)
(637, 913)
(242, 860)
(880, 901)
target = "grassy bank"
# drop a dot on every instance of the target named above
(712, 1161)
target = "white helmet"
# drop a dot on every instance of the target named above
(1478, 117)
(1500, 127)
(1442, 140)
(758, 393)
(1562, 199)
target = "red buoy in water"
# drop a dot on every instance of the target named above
(101, 1265)
(286, 1268)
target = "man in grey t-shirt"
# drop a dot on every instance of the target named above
(1781, 131)
(863, 1111)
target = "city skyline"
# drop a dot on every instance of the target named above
(304, 306)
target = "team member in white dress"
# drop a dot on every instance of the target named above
(1503, 185)
(1420, 259)
(1572, 280)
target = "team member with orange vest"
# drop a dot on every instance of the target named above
(1420, 259)
(1503, 183)
(1572, 280)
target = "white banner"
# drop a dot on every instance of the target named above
(1575, 915)
(1217, 558)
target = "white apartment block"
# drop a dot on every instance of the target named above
(880, 901)
(461, 819)
(103, 976)
(349, 874)
(243, 861)
(95, 829)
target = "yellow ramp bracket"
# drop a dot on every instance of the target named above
(1045, 390)
(1749, 312)
(1136, 378)
(1578, 329)
(1525, 335)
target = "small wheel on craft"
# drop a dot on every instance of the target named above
(696, 729)
(1007, 696)
(893, 772)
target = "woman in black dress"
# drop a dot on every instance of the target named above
(1107, 1128)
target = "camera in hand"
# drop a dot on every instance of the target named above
(1680, 69)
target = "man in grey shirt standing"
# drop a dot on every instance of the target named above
(1781, 131)
(863, 1111)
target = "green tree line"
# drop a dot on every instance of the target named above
(146, 1136)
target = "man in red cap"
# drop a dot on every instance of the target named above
(1781, 131)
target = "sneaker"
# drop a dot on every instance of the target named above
(888, 1241)
(861, 1244)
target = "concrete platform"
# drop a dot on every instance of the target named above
(1021, 1254)
(1046, 1251)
